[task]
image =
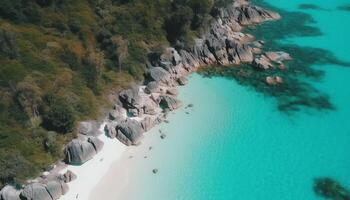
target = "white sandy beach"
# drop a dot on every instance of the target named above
(117, 178)
(90, 173)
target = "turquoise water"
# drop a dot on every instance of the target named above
(236, 144)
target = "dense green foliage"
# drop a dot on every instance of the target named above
(60, 59)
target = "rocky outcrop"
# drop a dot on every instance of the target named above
(278, 56)
(182, 80)
(37, 191)
(110, 129)
(147, 124)
(89, 128)
(130, 98)
(168, 102)
(118, 113)
(78, 152)
(9, 193)
(158, 74)
(129, 132)
(152, 87)
(247, 14)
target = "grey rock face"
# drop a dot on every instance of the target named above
(67, 177)
(96, 143)
(262, 62)
(118, 113)
(78, 152)
(89, 128)
(110, 130)
(147, 124)
(168, 102)
(9, 193)
(159, 74)
(172, 91)
(152, 87)
(239, 52)
(182, 80)
(130, 98)
(172, 56)
(35, 191)
(149, 110)
(54, 189)
(130, 132)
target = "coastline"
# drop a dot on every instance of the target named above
(150, 104)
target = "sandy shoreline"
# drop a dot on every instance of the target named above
(90, 173)
(117, 178)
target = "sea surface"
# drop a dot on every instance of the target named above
(235, 142)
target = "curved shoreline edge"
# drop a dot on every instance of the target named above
(143, 107)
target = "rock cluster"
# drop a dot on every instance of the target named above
(142, 107)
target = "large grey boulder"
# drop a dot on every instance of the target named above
(54, 188)
(130, 98)
(149, 109)
(238, 52)
(9, 193)
(158, 74)
(152, 87)
(147, 124)
(96, 143)
(172, 56)
(248, 14)
(110, 129)
(182, 80)
(89, 128)
(130, 132)
(35, 191)
(168, 102)
(118, 113)
(78, 152)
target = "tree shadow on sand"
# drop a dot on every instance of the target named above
(296, 92)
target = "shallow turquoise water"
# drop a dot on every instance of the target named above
(235, 144)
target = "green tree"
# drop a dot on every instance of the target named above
(58, 115)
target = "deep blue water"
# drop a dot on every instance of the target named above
(236, 144)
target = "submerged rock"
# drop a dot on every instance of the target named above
(331, 189)
(274, 80)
